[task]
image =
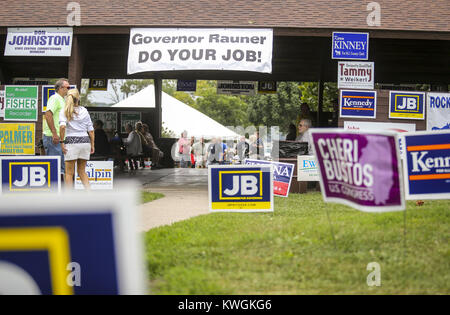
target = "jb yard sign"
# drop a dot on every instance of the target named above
(240, 188)
(79, 244)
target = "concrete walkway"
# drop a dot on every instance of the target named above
(185, 191)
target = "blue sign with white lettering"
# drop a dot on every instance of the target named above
(358, 104)
(427, 167)
(350, 46)
(30, 174)
(47, 91)
(187, 85)
(282, 175)
(406, 105)
(242, 188)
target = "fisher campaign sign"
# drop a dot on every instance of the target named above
(407, 105)
(356, 75)
(47, 41)
(350, 46)
(427, 165)
(358, 104)
(359, 169)
(282, 175)
(21, 103)
(165, 49)
(240, 188)
(438, 111)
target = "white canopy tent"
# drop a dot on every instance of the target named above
(178, 116)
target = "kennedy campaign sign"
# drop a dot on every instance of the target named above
(350, 46)
(406, 105)
(80, 244)
(438, 111)
(282, 175)
(240, 188)
(163, 49)
(47, 41)
(30, 174)
(359, 169)
(427, 165)
(358, 104)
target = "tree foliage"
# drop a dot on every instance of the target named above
(310, 95)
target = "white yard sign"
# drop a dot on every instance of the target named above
(356, 75)
(100, 175)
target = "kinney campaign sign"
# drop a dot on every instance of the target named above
(358, 104)
(355, 75)
(56, 41)
(427, 165)
(350, 46)
(162, 49)
(282, 175)
(438, 111)
(361, 170)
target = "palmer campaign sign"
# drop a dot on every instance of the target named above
(359, 169)
(165, 49)
(80, 244)
(240, 188)
(427, 165)
(282, 175)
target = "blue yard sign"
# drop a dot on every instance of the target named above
(350, 46)
(240, 188)
(187, 85)
(427, 165)
(358, 104)
(406, 105)
(22, 174)
(79, 244)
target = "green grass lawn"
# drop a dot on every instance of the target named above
(291, 251)
(147, 196)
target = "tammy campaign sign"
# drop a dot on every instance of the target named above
(236, 87)
(358, 104)
(100, 174)
(350, 46)
(240, 188)
(282, 175)
(406, 105)
(21, 102)
(307, 169)
(438, 111)
(80, 244)
(356, 75)
(17, 138)
(427, 165)
(163, 49)
(30, 174)
(50, 41)
(359, 169)
(47, 91)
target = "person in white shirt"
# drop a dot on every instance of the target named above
(303, 133)
(78, 133)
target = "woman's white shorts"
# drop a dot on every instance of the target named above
(77, 151)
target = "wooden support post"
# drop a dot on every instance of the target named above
(157, 118)
(76, 63)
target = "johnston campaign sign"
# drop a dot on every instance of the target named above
(350, 46)
(282, 175)
(359, 169)
(427, 165)
(49, 42)
(438, 111)
(165, 49)
(358, 104)
(240, 188)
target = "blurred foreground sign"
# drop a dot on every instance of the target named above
(359, 169)
(427, 165)
(77, 244)
(240, 188)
